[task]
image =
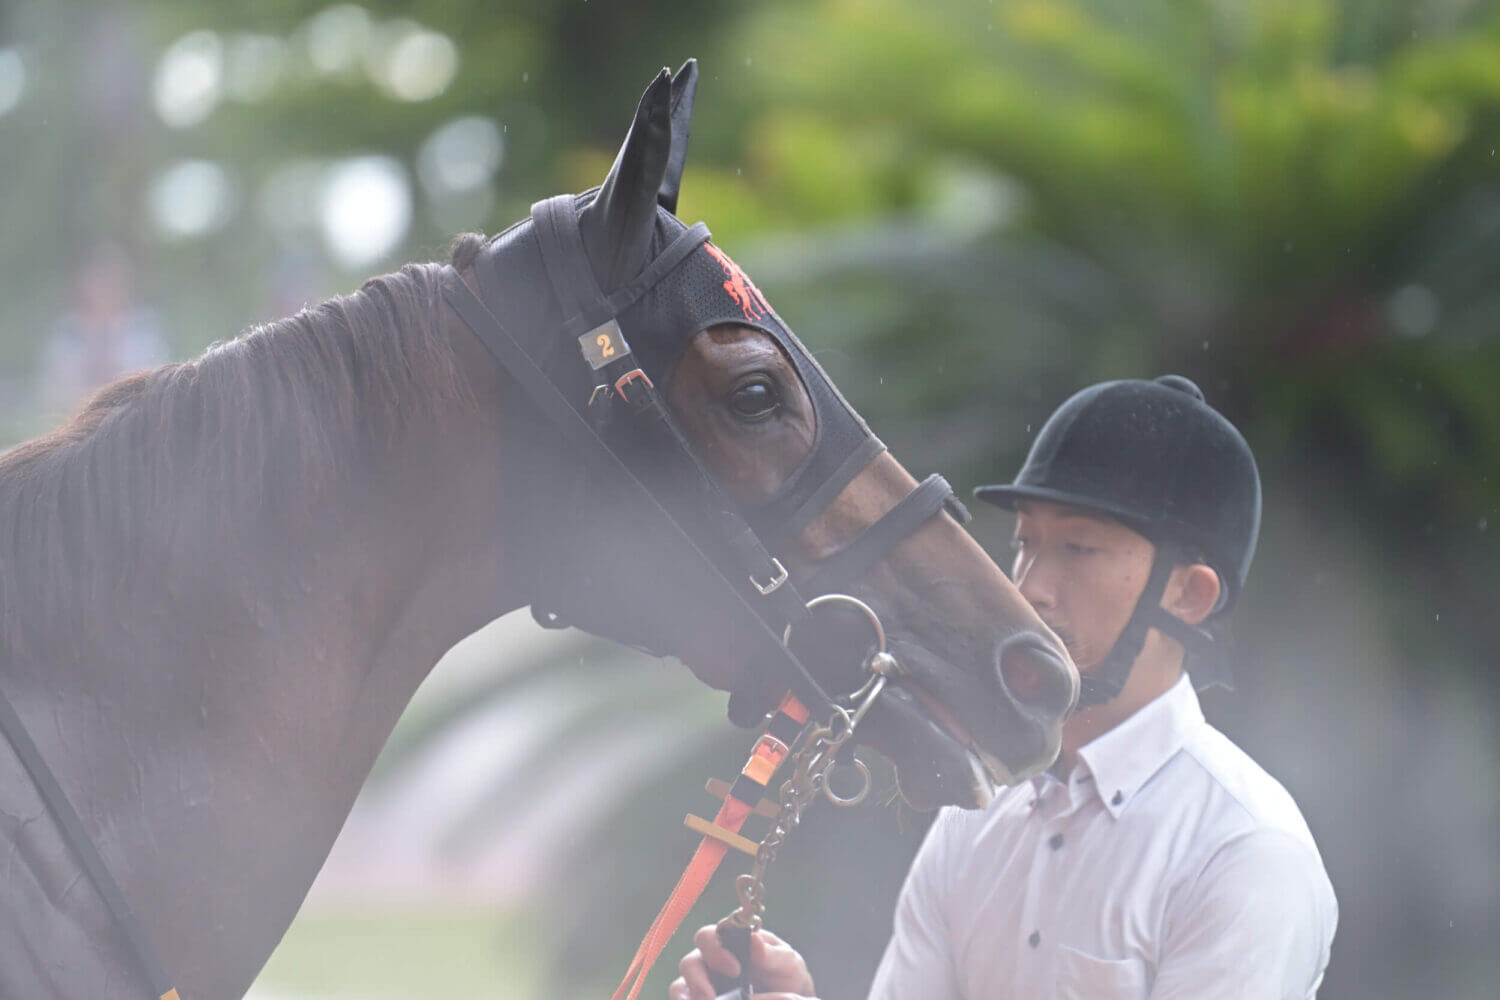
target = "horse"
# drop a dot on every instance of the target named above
(222, 580)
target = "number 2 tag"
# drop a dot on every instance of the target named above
(603, 344)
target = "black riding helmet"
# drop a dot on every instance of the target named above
(1156, 457)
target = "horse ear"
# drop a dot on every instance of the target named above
(684, 89)
(618, 224)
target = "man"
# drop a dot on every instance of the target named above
(1155, 859)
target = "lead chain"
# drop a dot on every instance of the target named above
(814, 761)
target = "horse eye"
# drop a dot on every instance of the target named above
(754, 399)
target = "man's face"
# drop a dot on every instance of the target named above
(1083, 573)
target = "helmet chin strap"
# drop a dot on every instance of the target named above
(1201, 654)
(1106, 681)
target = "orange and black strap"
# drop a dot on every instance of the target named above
(771, 749)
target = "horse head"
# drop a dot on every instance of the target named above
(642, 299)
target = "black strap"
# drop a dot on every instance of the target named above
(583, 304)
(1107, 680)
(838, 571)
(676, 252)
(651, 423)
(513, 357)
(1205, 655)
(566, 260)
(779, 529)
(652, 427)
(1191, 637)
(736, 939)
(84, 850)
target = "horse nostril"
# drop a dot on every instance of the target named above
(1035, 676)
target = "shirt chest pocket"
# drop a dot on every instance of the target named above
(1083, 977)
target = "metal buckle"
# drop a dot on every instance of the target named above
(776, 581)
(634, 375)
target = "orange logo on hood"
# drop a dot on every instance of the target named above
(739, 286)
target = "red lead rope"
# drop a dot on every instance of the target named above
(748, 789)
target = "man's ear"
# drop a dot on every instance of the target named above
(1193, 592)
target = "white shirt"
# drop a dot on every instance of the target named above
(1169, 865)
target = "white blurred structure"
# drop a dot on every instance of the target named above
(489, 806)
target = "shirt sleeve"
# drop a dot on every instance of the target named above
(1256, 924)
(918, 964)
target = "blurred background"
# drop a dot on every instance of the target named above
(968, 210)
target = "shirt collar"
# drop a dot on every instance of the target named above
(1125, 758)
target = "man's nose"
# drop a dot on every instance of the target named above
(1035, 583)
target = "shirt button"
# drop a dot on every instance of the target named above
(1118, 798)
(1055, 841)
(1035, 939)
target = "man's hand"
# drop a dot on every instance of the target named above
(776, 970)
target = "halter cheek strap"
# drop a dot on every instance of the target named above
(513, 357)
(621, 377)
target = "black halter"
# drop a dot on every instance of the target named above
(604, 400)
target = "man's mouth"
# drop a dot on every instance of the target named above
(1068, 639)
(1062, 632)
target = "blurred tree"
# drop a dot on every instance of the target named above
(1293, 203)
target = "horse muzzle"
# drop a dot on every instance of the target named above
(954, 735)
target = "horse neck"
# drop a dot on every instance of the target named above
(287, 531)
(393, 565)
(252, 672)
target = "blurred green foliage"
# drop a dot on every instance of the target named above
(970, 210)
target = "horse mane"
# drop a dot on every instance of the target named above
(191, 455)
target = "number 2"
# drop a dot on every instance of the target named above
(606, 349)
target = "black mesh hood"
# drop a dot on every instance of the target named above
(708, 289)
(688, 286)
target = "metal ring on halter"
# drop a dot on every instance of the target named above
(860, 606)
(857, 797)
(881, 664)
